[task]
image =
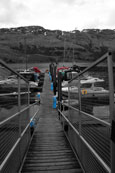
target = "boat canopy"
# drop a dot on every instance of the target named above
(36, 69)
(62, 68)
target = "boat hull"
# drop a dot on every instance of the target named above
(94, 96)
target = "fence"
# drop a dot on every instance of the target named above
(16, 114)
(87, 115)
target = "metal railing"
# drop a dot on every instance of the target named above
(16, 115)
(87, 115)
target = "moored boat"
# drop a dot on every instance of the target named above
(88, 89)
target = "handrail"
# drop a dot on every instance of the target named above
(93, 131)
(91, 149)
(13, 94)
(13, 71)
(16, 126)
(18, 140)
(91, 66)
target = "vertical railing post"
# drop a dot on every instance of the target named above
(28, 111)
(19, 108)
(112, 110)
(79, 100)
(19, 104)
(69, 101)
(28, 94)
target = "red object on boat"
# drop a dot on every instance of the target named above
(36, 69)
(62, 68)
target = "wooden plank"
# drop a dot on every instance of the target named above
(51, 164)
(49, 160)
(50, 168)
(56, 171)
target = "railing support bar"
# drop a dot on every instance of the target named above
(19, 109)
(19, 104)
(112, 111)
(79, 90)
(28, 95)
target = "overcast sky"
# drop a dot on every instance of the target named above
(58, 14)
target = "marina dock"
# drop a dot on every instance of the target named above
(49, 150)
(77, 135)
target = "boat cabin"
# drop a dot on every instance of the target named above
(30, 76)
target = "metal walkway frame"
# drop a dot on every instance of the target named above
(90, 159)
(15, 131)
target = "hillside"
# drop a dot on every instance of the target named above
(38, 44)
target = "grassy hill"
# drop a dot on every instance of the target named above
(37, 44)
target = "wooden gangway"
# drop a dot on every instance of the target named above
(49, 150)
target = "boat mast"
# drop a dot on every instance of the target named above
(73, 56)
(64, 47)
(64, 51)
(25, 42)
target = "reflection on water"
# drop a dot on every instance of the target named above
(97, 108)
(101, 111)
(9, 106)
(94, 107)
(6, 112)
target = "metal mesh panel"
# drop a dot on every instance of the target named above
(24, 93)
(98, 137)
(33, 109)
(89, 161)
(24, 143)
(13, 163)
(24, 119)
(89, 113)
(74, 118)
(74, 140)
(13, 98)
(9, 133)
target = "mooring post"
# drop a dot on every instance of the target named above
(52, 65)
(49, 68)
(54, 79)
(112, 110)
(59, 91)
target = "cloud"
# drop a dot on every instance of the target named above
(64, 1)
(11, 11)
(58, 14)
(111, 19)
